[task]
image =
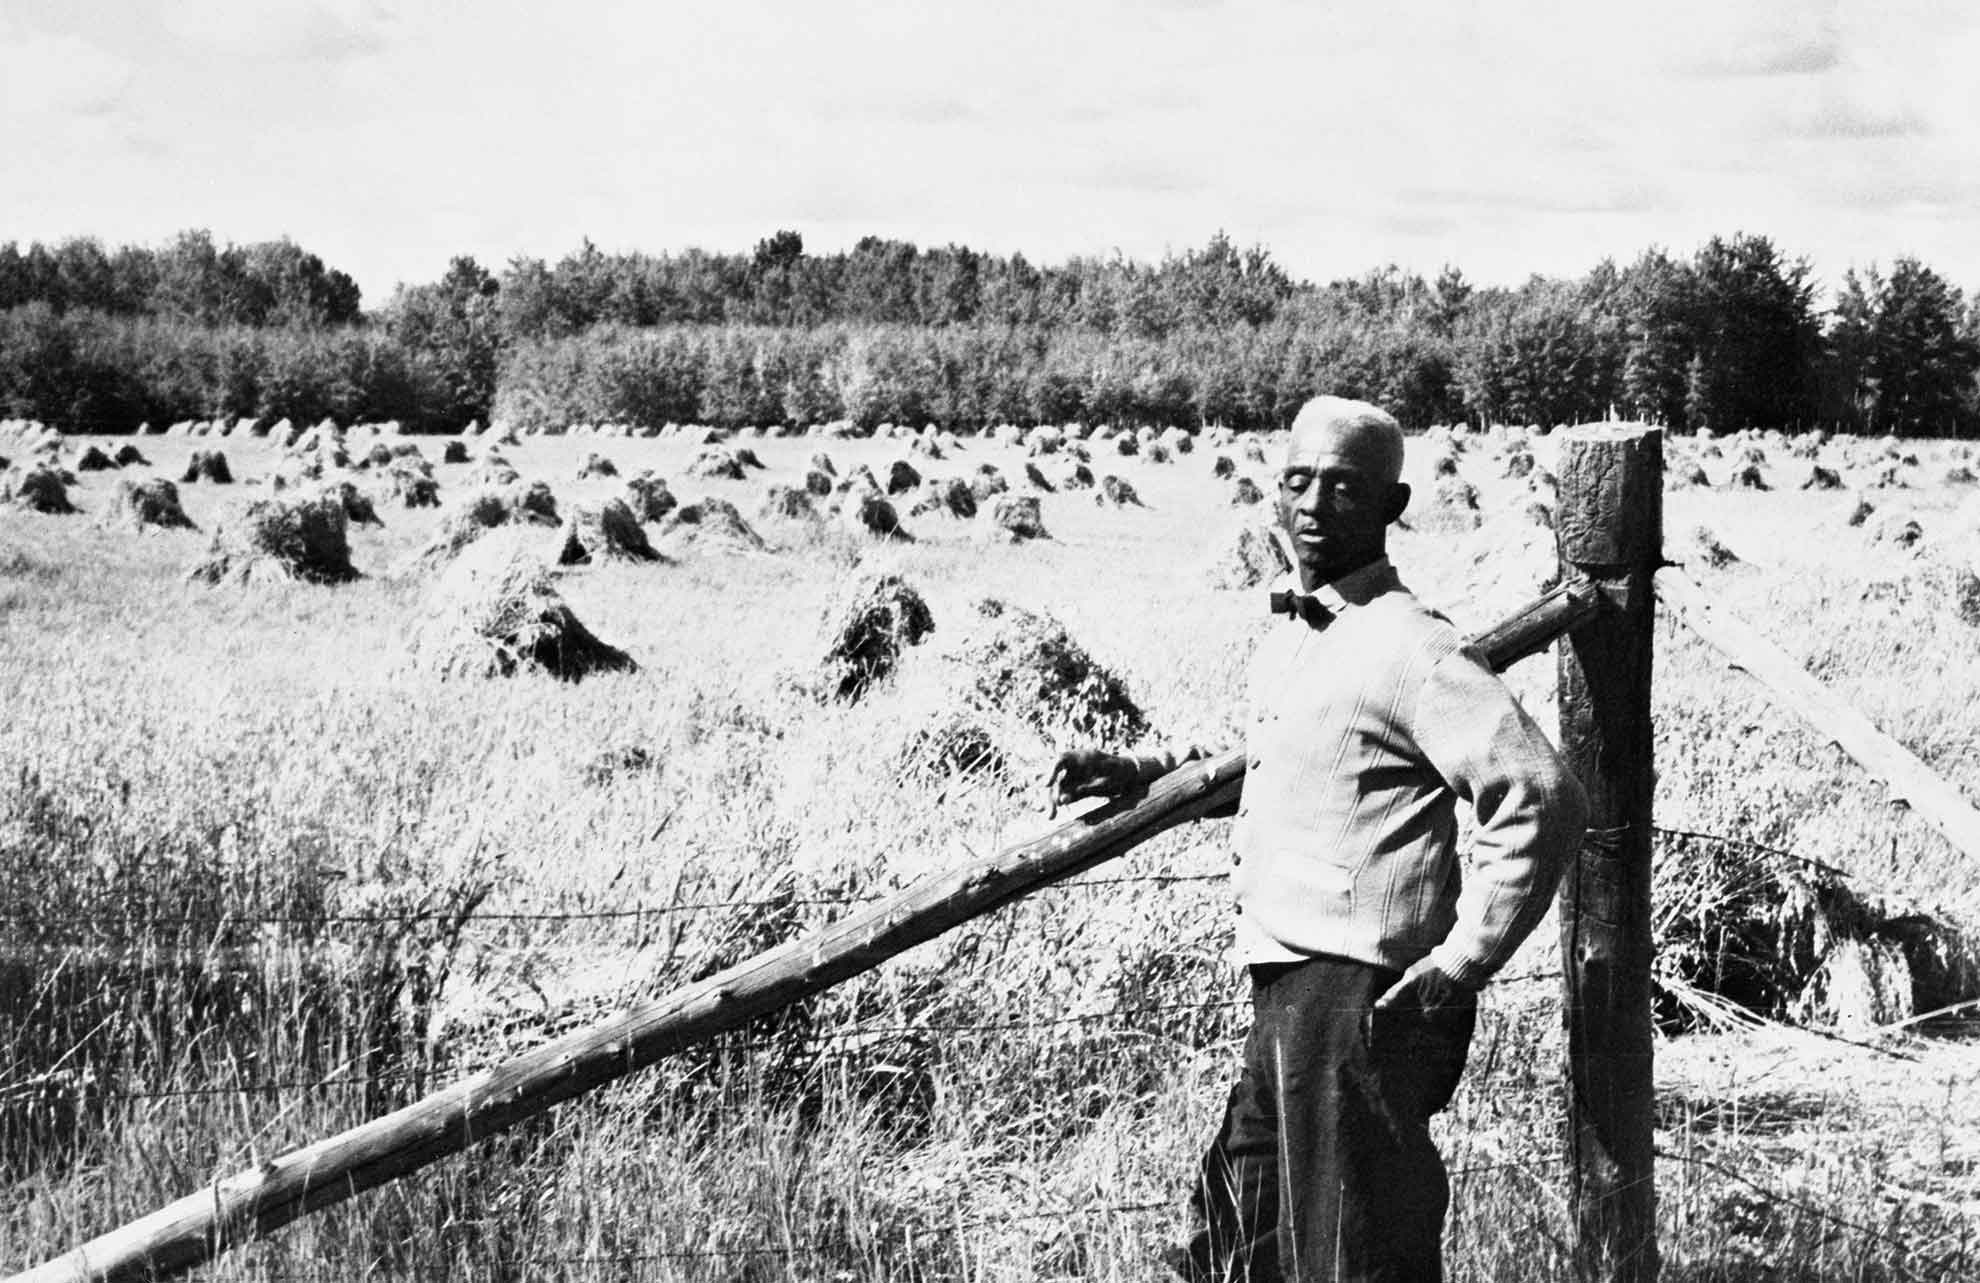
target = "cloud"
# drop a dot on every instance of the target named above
(320, 31)
(905, 107)
(1417, 223)
(1619, 198)
(1574, 196)
(1945, 194)
(1842, 118)
(1074, 114)
(1130, 109)
(1152, 178)
(940, 110)
(1787, 55)
(141, 144)
(59, 76)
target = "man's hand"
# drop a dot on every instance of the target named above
(1424, 987)
(1086, 772)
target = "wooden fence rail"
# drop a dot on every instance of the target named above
(1799, 692)
(251, 1203)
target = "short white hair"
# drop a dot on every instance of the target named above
(1356, 420)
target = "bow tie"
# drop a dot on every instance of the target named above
(1288, 602)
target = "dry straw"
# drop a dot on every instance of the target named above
(207, 465)
(302, 538)
(947, 496)
(786, 503)
(1017, 518)
(1452, 508)
(603, 532)
(356, 503)
(987, 482)
(532, 503)
(151, 504)
(37, 489)
(596, 465)
(1247, 556)
(497, 612)
(414, 489)
(713, 524)
(716, 465)
(648, 496)
(860, 479)
(1117, 492)
(863, 513)
(1027, 665)
(869, 625)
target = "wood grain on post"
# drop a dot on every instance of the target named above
(1909, 780)
(1610, 527)
(252, 1203)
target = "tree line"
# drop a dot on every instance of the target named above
(1729, 336)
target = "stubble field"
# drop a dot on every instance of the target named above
(265, 879)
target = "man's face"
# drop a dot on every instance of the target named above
(1337, 496)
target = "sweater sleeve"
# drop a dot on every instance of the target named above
(1529, 809)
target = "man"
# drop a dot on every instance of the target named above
(1370, 720)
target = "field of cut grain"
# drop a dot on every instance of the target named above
(264, 879)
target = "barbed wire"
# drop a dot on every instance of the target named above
(815, 1046)
(456, 917)
(1776, 1198)
(417, 916)
(461, 920)
(1863, 881)
(1761, 848)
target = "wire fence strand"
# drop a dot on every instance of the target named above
(659, 910)
(415, 917)
(854, 1044)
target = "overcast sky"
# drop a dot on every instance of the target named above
(1504, 136)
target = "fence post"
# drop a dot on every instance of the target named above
(1609, 522)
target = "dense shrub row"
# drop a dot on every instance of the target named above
(960, 377)
(1728, 338)
(85, 371)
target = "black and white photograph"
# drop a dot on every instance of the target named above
(872, 642)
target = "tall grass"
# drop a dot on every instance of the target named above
(238, 836)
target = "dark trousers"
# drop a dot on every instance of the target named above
(1323, 1169)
